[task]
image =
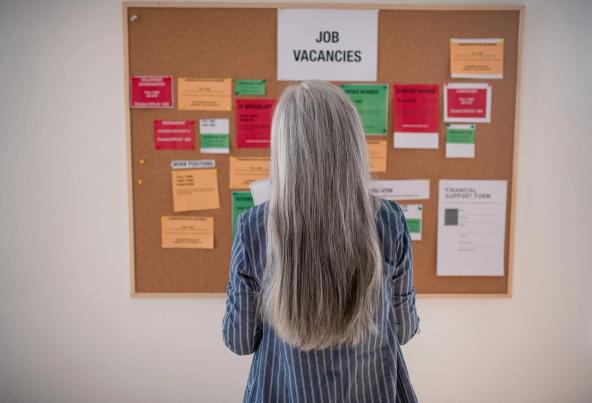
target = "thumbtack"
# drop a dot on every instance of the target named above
(140, 181)
(134, 18)
(142, 162)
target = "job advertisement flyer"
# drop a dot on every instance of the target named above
(413, 216)
(371, 101)
(253, 122)
(471, 227)
(417, 116)
(467, 102)
(477, 58)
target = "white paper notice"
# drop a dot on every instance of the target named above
(414, 216)
(327, 44)
(260, 190)
(406, 189)
(192, 164)
(471, 227)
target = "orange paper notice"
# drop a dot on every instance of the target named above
(205, 94)
(188, 232)
(477, 58)
(377, 153)
(245, 170)
(195, 189)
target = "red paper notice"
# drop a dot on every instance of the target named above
(174, 134)
(416, 115)
(467, 102)
(253, 122)
(151, 92)
(416, 108)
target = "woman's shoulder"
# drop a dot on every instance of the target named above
(253, 219)
(251, 232)
(390, 215)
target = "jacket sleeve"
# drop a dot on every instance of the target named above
(241, 327)
(407, 321)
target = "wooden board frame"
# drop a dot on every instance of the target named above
(125, 19)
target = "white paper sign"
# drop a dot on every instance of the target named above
(405, 189)
(214, 126)
(324, 44)
(471, 227)
(191, 164)
(260, 190)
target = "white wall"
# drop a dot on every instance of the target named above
(69, 331)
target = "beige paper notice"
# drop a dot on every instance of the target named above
(244, 170)
(187, 232)
(377, 153)
(195, 189)
(477, 58)
(205, 94)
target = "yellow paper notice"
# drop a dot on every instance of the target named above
(377, 153)
(205, 94)
(195, 189)
(245, 170)
(188, 232)
(477, 58)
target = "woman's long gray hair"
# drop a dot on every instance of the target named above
(324, 267)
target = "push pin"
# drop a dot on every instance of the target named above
(134, 18)
(140, 181)
(142, 162)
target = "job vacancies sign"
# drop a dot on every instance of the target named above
(336, 44)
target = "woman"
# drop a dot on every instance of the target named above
(321, 279)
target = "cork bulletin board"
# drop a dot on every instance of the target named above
(239, 41)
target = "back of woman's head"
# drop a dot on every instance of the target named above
(323, 274)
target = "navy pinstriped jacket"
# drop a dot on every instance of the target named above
(373, 371)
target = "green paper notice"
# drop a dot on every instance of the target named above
(414, 225)
(241, 201)
(250, 87)
(460, 136)
(209, 141)
(371, 102)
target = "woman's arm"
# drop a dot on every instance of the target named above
(241, 327)
(407, 320)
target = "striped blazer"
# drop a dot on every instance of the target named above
(373, 371)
